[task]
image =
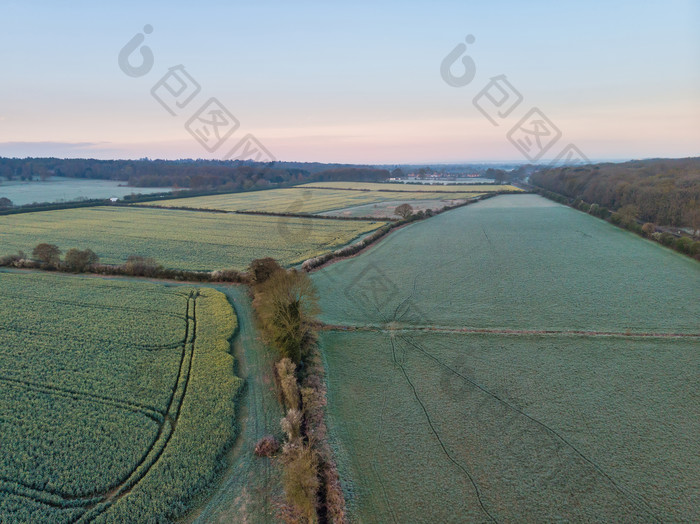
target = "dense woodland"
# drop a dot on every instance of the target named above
(192, 174)
(661, 191)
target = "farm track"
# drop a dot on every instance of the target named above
(249, 489)
(96, 504)
(503, 331)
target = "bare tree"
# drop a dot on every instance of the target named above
(48, 254)
(404, 210)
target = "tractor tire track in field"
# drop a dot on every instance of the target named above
(433, 429)
(404, 333)
(631, 497)
(376, 447)
(96, 504)
(150, 411)
(54, 335)
(89, 305)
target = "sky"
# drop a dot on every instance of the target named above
(351, 82)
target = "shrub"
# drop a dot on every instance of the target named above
(286, 305)
(695, 248)
(262, 269)
(683, 244)
(666, 239)
(78, 261)
(48, 254)
(300, 479)
(291, 424)
(404, 210)
(267, 446)
(648, 229)
(286, 376)
(139, 266)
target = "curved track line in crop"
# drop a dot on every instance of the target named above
(95, 306)
(54, 335)
(399, 364)
(150, 411)
(437, 436)
(636, 499)
(403, 332)
(98, 503)
(373, 462)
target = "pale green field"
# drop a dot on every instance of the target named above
(439, 188)
(62, 189)
(310, 201)
(179, 239)
(519, 262)
(550, 429)
(448, 426)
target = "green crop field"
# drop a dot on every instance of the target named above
(520, 262)
(413, 188)
(295, 200)
(511, 361)
(111, 390)
(179, 239)
(457, 427)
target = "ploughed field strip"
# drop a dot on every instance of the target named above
(298, 200)
(91, 429)
(422, 188)
(514, 360)
(190, 240)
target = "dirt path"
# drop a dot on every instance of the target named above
(496, 331)
(249, 488)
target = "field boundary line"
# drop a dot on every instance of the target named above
(504, 331)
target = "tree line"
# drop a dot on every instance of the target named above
(199, 174)
(661, 191)
(286, 306)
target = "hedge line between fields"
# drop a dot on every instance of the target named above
(681, 244)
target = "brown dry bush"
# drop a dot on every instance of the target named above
(287, 380)
(267, 446)
(300, 479)
(291, 424)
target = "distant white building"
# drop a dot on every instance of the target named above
(113, 199)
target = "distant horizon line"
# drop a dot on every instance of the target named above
(383, 164)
